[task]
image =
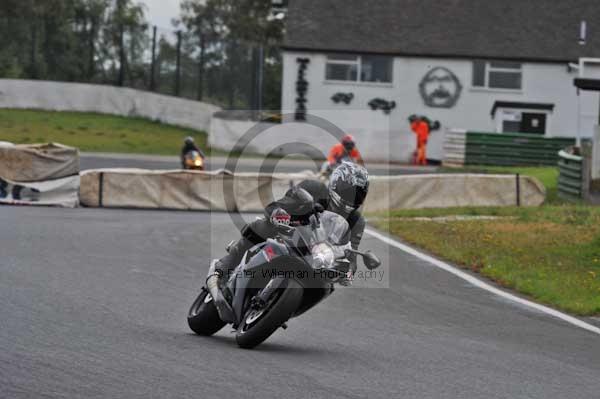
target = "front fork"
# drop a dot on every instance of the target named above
(263, 297)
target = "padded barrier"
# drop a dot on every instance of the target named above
(59, 192)
(38, 162)
(251, 192)
(453, 190)
(187, 190)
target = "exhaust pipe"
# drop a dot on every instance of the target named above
(212, 283)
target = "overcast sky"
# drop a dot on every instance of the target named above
(160, 12)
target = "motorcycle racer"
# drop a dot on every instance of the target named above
(347, 190)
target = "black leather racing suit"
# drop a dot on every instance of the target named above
(260, 230)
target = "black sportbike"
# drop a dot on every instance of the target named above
(277, 280)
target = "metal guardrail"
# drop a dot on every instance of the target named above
(512, 149)
(570, 179)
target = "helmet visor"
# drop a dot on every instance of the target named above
(349, 146)
(350, 194)
(339, 206)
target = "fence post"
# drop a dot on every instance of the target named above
(178, 67)
(518, 183)
(121, 43)
(260, 79)
(253, 93)
(201, 68)
(153, 64)
(34, 31)
(91, 69)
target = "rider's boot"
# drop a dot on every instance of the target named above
(225, 266)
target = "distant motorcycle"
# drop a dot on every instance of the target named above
(193, 161)
(277, 280)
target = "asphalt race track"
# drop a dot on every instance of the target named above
(100, 161)
(94, 305)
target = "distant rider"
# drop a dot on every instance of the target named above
(188, 146)
(345, 149)
(348, 188)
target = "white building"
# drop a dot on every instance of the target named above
(489, 66)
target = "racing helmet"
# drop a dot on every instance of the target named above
(348, 142)
(317, 190)
(189, 140)
(348, 188)
(298, 203)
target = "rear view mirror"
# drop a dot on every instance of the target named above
(371, 260)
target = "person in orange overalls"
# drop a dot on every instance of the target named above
(345, 148)
(421, 129)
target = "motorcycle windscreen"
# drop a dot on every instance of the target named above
(192, 155)
(333, 229)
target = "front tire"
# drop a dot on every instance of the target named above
(257, 326)
(203, 317)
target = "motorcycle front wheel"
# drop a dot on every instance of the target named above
(258, 325)
(203, 317)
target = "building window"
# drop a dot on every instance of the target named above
(357, 68)
(520, 117)
(497, 75)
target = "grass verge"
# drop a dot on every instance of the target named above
(551, 254)
(95, 132)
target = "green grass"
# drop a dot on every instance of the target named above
(551, 253)
(94, 132)
(548, 176)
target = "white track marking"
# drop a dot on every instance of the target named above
(478, 283)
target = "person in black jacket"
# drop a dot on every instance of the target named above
(348, 188)
(188, 146)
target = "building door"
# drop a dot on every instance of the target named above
(533, 123)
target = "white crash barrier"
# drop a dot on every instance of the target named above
(80, 97)
(38, 162)
(185, 190)
(251, 192)
(452, 190)
(59, 192)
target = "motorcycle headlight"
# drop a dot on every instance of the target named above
(198, 162)
(323, 256)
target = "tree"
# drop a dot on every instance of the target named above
(227, 32)
(71, 40)
(204, 21)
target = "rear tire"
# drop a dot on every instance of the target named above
(254, 328)
(203, 317)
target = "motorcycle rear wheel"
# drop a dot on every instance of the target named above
(203, 317)
(257, 326)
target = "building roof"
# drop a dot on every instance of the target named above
(534, 30)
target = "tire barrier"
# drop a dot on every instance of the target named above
(251, 192)
(502, 149)
(570, 179)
